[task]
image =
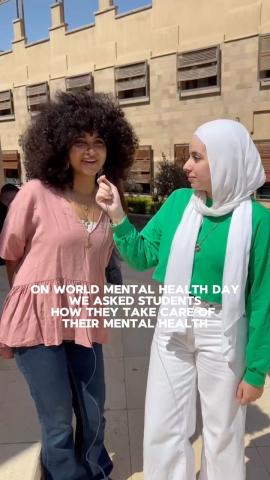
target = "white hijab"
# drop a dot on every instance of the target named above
(236, 172)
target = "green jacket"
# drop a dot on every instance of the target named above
(151, 248)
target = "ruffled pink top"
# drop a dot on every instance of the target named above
(53, 248)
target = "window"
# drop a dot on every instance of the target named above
(6, 104)
(11, 166)
(141, 171)
(263, 193)
(199, 72)
(264, 150)
(181, 154)
(132, 82)
(36, 96)
(80, 82)
(264, 59)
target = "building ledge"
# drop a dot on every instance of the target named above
(106, 10)
(199, 92)
(57, 27)
(132, 12)
(7, 118)
(79, 29)
(5, 52)
(22, 39)
(38, 42)
(260, 198)
(265, 83)
(134, 101)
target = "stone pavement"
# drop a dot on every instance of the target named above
(126, 358)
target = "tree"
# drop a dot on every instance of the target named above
(130, 186)
(169, 177)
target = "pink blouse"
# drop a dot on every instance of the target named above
(53, 248)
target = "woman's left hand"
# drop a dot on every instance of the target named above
(246, 393)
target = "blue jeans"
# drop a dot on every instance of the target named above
(59, 378)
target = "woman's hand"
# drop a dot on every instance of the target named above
(246, 393)
(108, 199)
(6, 353)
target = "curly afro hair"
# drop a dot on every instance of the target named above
(47, 140)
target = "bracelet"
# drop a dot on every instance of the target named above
(119, 223)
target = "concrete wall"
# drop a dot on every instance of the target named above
(155, 34)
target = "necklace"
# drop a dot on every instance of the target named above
(82, 204)
(198, 245)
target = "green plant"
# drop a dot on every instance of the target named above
(155, 206)
(143, 205)
(131, 186)
(169, 178)
(136, 205)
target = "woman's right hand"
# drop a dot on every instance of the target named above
(108, 199)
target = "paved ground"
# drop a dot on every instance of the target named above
(126, 370)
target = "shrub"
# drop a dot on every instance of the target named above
(169, 178)
(143, 205)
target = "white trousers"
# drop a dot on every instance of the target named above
(179, 364)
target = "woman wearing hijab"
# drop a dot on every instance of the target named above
(212, 237)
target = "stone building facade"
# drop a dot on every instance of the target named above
(172, 65)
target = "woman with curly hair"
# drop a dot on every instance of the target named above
(56, 239)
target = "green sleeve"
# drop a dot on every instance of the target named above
(140, 250)
(258, 306)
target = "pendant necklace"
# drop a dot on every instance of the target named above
(83, 211)
(199, 244)
(88, 224)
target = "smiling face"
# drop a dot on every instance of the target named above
(87, 154)
(197, 167)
